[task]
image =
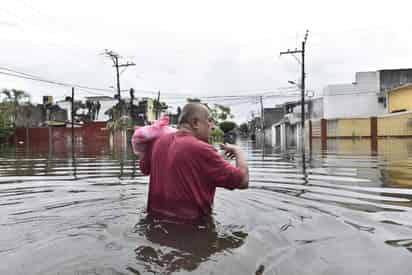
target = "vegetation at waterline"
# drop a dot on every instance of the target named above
(11, 99)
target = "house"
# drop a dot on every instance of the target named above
(145, 112)
(357, 99)
(143, 109)
(391, 79)
(105, 102)
(286, 131)
(378, 104)
(270, 117)
(400, 99)
(366, 97)
(315, 108)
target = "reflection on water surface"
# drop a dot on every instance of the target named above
(83, 212)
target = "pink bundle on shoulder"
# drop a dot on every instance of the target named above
(144, 136)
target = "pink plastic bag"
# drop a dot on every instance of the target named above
(144, 136)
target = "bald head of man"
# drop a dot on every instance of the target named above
(195, 118)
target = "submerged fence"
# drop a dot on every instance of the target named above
(389, 125)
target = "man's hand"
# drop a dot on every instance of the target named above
(234, 152)
(231, 151)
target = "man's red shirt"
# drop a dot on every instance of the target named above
(184, 173)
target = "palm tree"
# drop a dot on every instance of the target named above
(14, 97)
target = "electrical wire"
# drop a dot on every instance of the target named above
(54, 83)
(228, 99)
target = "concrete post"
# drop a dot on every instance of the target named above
(297, 136)
(374, 134)
(324, 133)
(283, 136)
(310, 134)
(124, 139)
(50, 139)
(273, 139)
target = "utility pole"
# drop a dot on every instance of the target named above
(302, 85)
(73, 151)
(262, 121)
(131, 91)
(262, 114)
(115, 58)
(72, 115)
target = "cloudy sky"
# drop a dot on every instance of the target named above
(199, 48)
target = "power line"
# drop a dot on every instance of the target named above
(53, 83)
(23, 75)
(229, 99)
(12, 14)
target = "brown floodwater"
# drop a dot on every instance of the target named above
(346, 210)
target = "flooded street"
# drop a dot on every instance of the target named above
(346, 211)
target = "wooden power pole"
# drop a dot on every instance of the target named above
(302, 85)
(115, 58)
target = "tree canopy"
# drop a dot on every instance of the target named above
(227, 126)
(8, 110)
(14, 95)
(220, 113)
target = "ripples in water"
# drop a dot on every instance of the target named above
(344, 211)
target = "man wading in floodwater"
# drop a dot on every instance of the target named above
(185, 170)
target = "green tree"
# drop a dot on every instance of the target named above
(217, 135)
(227, 126)
(118, 119)
(8, 111)
(6, 120)
(220, 113)
(14, 97)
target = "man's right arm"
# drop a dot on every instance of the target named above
(145, 161)
(232, 151)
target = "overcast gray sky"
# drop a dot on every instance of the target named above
(200, 48)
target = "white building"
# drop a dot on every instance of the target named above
(106, 103)
(65, 105)
(357, 99)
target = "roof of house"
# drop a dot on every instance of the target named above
(407, 85)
